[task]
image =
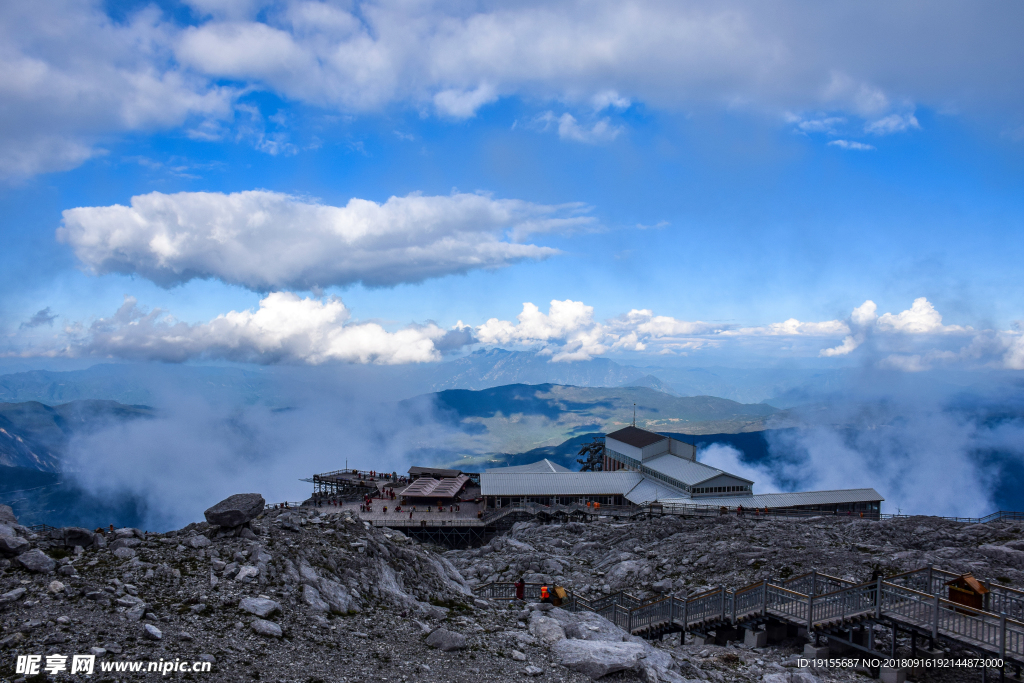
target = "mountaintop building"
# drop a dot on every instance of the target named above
(642, 467)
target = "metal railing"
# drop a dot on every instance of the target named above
(924, 610)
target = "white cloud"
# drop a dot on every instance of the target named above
(793, 327)
(570, 129)
(269, 240)
(920, 318)
(285, 328)
(894, 123)
(851, 144)
(71, 75)
(464, 104)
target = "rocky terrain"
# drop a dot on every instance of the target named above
(303, 595)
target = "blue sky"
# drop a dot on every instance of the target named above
(684, 177)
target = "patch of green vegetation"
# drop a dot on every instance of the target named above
(1005, 580)
(58, 552)
(786, 572)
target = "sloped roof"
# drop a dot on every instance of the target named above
(425, 487)
(785, 500)
(417, 471)
(544, 465)
(686, 471)
(557, 483)
(634, 436)
(650, 490)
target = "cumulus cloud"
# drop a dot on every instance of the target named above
(268, 240)
(72, 74)
(284, 329)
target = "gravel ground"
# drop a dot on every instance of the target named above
(310, 597)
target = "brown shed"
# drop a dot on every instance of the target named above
(967, 590)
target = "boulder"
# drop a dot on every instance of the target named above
(76, 535)
(236, 510)
(10, 542)
(261, 607)
(663, 586)
(7, 515)
(338, 597)
(37, 561)
(152, 632)
(198, 542)
(597, 658)
(311, 596)
(247, 573)
(11, 596)
(125, 542)
(546, 629)
(124, 553)
(446, 640)
(266, 628)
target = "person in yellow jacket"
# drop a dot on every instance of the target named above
(545, 595)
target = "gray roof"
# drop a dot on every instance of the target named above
(557, 483)
(634, 436)
(686, 471)
(785, 500)
(650, 490)
(544, 465)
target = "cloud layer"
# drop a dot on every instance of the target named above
(72, 75)
(287, 328)
(268, 240)
(284, 329)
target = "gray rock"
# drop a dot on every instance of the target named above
(311, 596)
(261, 607)
(247, 573)
(36, 561)
(597, 658)
(446, 640)
(11, 596)
(10, 542)
(236, 510)
(76, 535)
(198, 542)
(266, 628)
(7, 515)
(152, 632)
(135, 613)
(546, 629)
(663, 586)
(338, 597)
(518, 656)
(124, 553)
(533, 671)
(127, 542)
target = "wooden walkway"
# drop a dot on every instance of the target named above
(823, 605)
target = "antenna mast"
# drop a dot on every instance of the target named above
(634, 415)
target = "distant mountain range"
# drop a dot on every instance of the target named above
(145, 383)
(35, 436)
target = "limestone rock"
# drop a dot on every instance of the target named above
(11, 596)
(7, 515)
(198, 542)
(37, 561)
(597, 658)
(236, 510)
(77, 536)
(247, 573)
(446, 640)
(152, 632)
(10, 542)
(311, 596)
(123, 553)
(266, 628)
(261, 607)
(546, 629)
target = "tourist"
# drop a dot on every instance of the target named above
(545, 595)
(520, 588)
